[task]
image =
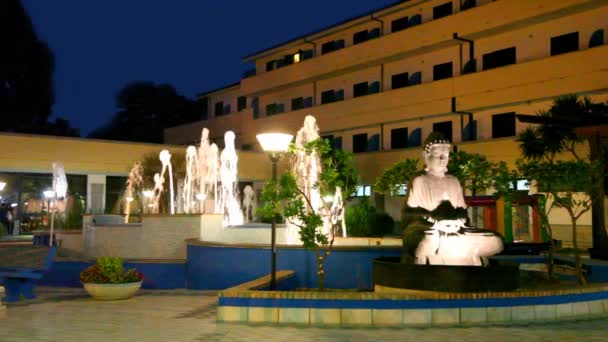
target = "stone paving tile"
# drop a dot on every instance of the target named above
(68, 315)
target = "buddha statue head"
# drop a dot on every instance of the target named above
(436, 154)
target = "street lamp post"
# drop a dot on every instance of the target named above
(275, 144)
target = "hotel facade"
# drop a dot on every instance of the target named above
(378, 84)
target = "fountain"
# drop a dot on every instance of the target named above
(207, 171)
(165, 159)
(134, 185)
(191, 180)
(229, 196)
(307, 167)
(249, 203)
(440, 251)
(60, 191)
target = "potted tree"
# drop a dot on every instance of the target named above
(107, 279)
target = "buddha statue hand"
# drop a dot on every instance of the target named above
(448, 226)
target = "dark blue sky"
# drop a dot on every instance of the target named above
(195, 45)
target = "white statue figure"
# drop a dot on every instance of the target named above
(229, 201)
(308, 167)
(447, 241)
(156, 192)
(337, 211)
(249, 205)
(165, 159)
(190, 181)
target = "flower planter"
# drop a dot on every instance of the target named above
(112, 291)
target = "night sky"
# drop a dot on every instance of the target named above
(194, 45)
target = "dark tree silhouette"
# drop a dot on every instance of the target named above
(26, 71)
(146, 109)
(60, 127)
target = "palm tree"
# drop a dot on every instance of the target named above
(569, 121)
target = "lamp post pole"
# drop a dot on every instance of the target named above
(274, 144)
(274, 157)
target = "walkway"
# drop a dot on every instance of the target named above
(181, 315)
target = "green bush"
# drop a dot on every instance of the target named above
(109, 270)
(363, 220)
(73, 218)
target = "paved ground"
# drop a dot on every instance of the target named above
(69, 315)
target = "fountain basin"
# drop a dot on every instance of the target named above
(246, 304)
(389, 274)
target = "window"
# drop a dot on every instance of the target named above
(297, 103)
(503, 125)
(373, 88)
(219, 108)
(365, 35)
(327, 96)
(241, 103)
(337, 144)
(398, 138)
(274, 108)
(359, 143)
(329, 138)
(399, 80)
(301, 102)
(499, 58)
(415, 138)
(362, 191)
(445, 128)
(373, 144)
(360, 89)
(442, 10)
(271, 65)
(468, 4)
(227, 109)
(564, 43)
(441, 71)
(399, 24)
(330, 96)
(332, 46)
(359, 37)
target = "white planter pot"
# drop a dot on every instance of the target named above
(112, 291)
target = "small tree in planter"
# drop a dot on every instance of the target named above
(285, 198)
(568, 185)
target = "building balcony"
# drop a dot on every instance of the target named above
(583, 72)
(431, 36)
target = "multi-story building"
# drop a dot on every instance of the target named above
(379, 83)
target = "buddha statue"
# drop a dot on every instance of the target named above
(436, 216)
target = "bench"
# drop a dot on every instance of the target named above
(20, 266)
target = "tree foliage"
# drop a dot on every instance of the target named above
(26, 72)
(576, 185)
(473, 170)
(393, 178)
(145, 110)
(285, 198)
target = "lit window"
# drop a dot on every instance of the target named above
(401, 190)
(362, 191)
(296, 58)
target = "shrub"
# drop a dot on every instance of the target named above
(363, 220)
(109, 270)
